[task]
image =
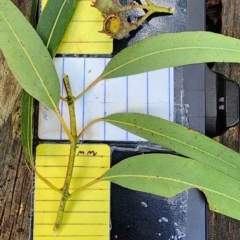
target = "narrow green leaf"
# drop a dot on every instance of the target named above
(54, 41)
(54, 21)
(171, 50)
(167, 175)
(27, 134)
(181, 140)
(27, 105)
(27, 57)
(26, 125)
(33, 14)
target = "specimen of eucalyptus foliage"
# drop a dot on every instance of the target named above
(116, 24)
(209, 166)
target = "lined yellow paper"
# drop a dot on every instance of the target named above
(87, 214)
(82, 36)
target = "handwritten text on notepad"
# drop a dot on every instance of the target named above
(87, 214)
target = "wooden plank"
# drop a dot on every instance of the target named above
(15, 181)
(219, 226)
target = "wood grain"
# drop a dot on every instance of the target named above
(219, 226)
(15, 181)
(9, 88)
(15, 178)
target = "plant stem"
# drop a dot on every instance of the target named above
(45, 180)
(140, 21)
(154, 8)
(85, 186)
(70, 100)
(88, 126)
(88, 87)
(64, 125)
(150, 6)
(65, 189)
(63, 99)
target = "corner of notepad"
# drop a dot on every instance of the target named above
(83, 34)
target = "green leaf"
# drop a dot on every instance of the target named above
(181, 140)
(167, 175)
(171, 50)
(27, 105)
(54, 21)
(26, 125)
(27, 100)
(33, 14)
(27, 57)
(27, 134)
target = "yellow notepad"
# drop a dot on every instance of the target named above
(87, 214)
(82, 36)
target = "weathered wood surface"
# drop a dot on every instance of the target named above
(15, 178)
(221, 227)
(15, 181)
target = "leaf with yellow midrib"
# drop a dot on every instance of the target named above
(27, 57)
(54, 21)
(171, 50)
(179, 139)
(167, 175)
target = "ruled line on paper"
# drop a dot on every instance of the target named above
(87, 214)
(148, 93)
(82, 35)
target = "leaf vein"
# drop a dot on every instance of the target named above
(173, 180)
(55, 23)
(175, 140)
(162, 51)
(27, 55)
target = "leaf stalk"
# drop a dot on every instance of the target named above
(89, 87)
(45, 180)
(150, 7)
(88, 126)
(85, 186)
(64, 125)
